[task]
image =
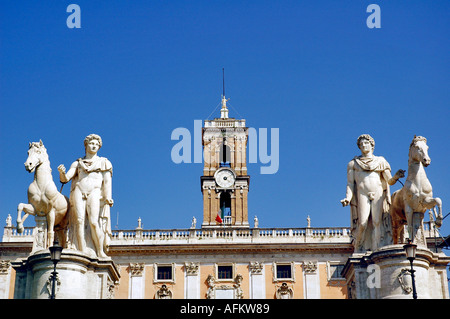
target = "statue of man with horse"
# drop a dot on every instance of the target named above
(368, 181)
(374, 213)
(90, 197)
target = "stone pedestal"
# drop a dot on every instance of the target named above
(79, 276)
(383, 274)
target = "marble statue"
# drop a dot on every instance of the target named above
(9, 221)
(44, 199)
(211, 287)
(368, 194)
(91, 198)
(410, 203)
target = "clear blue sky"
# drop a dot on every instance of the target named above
(137, 70)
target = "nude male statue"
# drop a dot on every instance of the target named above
(368, 181)
(90, 191)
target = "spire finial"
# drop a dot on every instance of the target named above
(223, 80)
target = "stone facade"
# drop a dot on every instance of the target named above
(262, 262)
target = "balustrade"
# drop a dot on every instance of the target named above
(228, 233)
(155, 236)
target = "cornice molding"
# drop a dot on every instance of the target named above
(230, 248)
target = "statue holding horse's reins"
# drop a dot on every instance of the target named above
(43, 196)
(410, 203)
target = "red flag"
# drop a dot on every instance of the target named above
(218, 219)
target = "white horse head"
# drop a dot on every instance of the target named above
(418, 151)
(37, 154)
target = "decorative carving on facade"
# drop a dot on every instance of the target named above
(210, 294)
(238, 293)
(111, 286)
(256, 267)
(4, 267)
(405, 280)
(310, 267)
(137, 269)
(49, 283)
(163, 293)
(284, 292)
(191, 268)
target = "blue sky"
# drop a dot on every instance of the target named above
(137, 70)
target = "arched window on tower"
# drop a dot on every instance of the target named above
(225, 155)
(225, 207)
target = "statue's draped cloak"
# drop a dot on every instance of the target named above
(376, 164)
(373, 164)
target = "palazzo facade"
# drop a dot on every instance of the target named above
(252, 263)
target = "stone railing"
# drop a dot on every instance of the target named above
(10, 234)
(235, 235)
(216, 235)
(225, 123)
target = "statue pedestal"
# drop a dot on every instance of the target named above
(79, 276)
(383, 274)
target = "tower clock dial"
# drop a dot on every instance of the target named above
(225, 178)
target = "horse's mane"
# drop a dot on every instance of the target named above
(417, 139)
(41, 148)
(38, 145)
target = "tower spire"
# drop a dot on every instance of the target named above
(224, 110)
(223, 80)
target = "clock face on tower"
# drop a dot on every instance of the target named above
(225, 177)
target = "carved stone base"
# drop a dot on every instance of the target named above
(384, 274)
(79, 276)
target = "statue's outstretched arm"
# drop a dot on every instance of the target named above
(65, 177)
(392, 180)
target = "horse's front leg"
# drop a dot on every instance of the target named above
(437, 202)
(28, 209)
(409, 222)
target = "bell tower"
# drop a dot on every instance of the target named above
(225, 182)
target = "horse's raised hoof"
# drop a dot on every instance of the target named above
(438, 221)
(20, 228)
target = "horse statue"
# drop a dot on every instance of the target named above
(43, 196)
(410, 203)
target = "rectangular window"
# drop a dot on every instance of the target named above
(335, 271)
(225, 272)
(164, 273)
(284, 272)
